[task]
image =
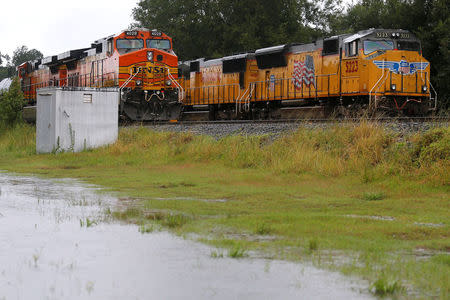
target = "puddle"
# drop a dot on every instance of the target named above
(378, 218)
(47, 251)
(432, 225)
(191, 199)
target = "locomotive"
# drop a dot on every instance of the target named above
(376, 70)
(139, 62)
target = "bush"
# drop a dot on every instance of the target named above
(11, 104)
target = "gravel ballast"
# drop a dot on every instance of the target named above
(219, 130)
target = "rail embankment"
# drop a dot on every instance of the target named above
(362, 199)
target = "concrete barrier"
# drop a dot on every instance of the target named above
(76, 119)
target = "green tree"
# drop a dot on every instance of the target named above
(213, 28)
(23, 54)
(8, 70)
(11, 104)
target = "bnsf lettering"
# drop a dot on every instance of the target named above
(148, 70)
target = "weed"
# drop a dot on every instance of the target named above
(175, 220)
(237, 252)
(146, 228)
(373, 196)
(313, 245)
(263, 229)
(382, 287)
(35, 259)
(129, 214)
(216, 254)
(87, 223)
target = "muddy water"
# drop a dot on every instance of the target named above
(48, 252)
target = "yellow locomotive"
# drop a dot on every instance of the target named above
(375, 69)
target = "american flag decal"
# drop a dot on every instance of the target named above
(304, 73)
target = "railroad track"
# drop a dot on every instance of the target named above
(431, 119)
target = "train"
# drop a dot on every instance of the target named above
(375, 70)
(140, 63)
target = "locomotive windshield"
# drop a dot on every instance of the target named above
(159, 44)
(128, 45)
(372, 45)
(408, 46)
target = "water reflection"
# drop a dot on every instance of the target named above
(47, 251)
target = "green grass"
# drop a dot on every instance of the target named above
(358, 199)
(237, 252)
(382, 287)
(373, 196)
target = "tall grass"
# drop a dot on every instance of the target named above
(20, 140)
(365, 149)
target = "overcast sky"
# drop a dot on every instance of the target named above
(56, 26)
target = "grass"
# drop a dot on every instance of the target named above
(263, 229)
(359, 199)
(237, 252)
(373, 196)
(87, 223)
(383, 288)
(146, 228)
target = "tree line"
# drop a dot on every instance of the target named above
(215, 28)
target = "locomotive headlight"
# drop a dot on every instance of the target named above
(169, 82)
(138, 82)
(393, 87)
(424, 88)
(150, 55)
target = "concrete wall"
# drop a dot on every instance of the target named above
(74, 120)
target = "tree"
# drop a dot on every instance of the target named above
(8, 70)
(11, 104)
(213, 28)
(22, 54)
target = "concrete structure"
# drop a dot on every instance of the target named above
(76, 119)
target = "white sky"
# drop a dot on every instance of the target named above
(56, 26)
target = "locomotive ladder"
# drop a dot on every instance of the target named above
(179, 87)
(373, 105)
(129, 79)
(246, 96)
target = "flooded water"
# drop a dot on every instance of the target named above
(54, 245)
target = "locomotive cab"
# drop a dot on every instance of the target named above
(387, 66)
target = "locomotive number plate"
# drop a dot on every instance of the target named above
(351, 66)
(395, 35)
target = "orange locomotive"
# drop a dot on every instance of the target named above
(378, 69)
(140, 63)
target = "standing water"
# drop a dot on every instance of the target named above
(53, 245)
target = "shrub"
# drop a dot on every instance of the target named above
(11, 104)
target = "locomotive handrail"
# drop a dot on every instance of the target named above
(235, 86)
(435, 97)
(247, 100)
(370, 92)
(179, 87)
(130, 78)
(285, 90)
(239, 100)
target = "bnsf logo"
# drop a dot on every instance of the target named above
(147, 70)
